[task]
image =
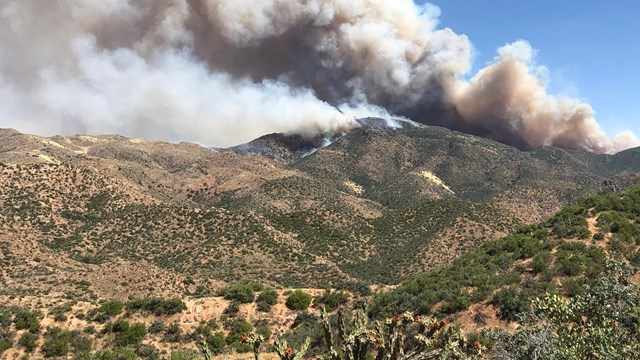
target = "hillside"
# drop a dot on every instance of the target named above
(539, 290)
(94, 216)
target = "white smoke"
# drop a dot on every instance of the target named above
(221, 72)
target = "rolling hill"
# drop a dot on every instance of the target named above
(85, 219)
(375, 206)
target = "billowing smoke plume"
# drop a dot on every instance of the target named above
(220, 72)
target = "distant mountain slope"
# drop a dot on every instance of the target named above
(377, 205)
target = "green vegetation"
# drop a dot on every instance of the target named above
(156, 305)
(298, 300)
(242, 293)
(304, 226)
(59, 312)
(128, 335)
(266, 300)
(238, 331)
(6, 339)
(107, 310)
(331, 300)
(602, 323)
(59, 342)
(27, 320)
(28, 341)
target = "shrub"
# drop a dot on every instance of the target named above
(232, 309)
(266, 300)
(120, 326)
(29, 341)
(216, 342)
(27, 320)
(131, 335)
(298, 300)
(595, 331)
(456, 304)
(157, 306)
(185, 355)
(264, 331)
(332, 299)
(6, 340)
(510, 303)
(147, 351)
(202, 291)
(541, 262)
(59, 312)
(237, 329)
(111, 308)
(56, 343)
(115, 354)
(242, 293)
(157, 327)
(173, 333)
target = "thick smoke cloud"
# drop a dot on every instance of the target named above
(221, 72)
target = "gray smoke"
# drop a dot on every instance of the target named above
(221, 72)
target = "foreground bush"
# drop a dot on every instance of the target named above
(602, 323)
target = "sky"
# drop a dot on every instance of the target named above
(591, 48)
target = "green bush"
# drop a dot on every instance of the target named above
(264, 331)
(157, 306)
(582, 327)
(541, 262)
(147, 351)
(6, 340)
(232, 309)
(56, 343)
(237, 329)
(60, 342)
(266, 300)
(111, 308)
(186, 354)
(510, 303)
(173, 333)
(27, 320)
(216, 342)
(332, 299)
(59, 312)
(29, 341)
(456, 304)
(132, 335)
(157, 327)
(119, 326)
(298, 300)
(242, 293)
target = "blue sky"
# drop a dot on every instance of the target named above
(592, 48)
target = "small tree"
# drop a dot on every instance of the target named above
(298, 300)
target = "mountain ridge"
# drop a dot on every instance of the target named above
(440, 191)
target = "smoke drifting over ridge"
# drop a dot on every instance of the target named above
(221, 72)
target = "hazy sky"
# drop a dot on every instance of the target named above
(592, 48)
